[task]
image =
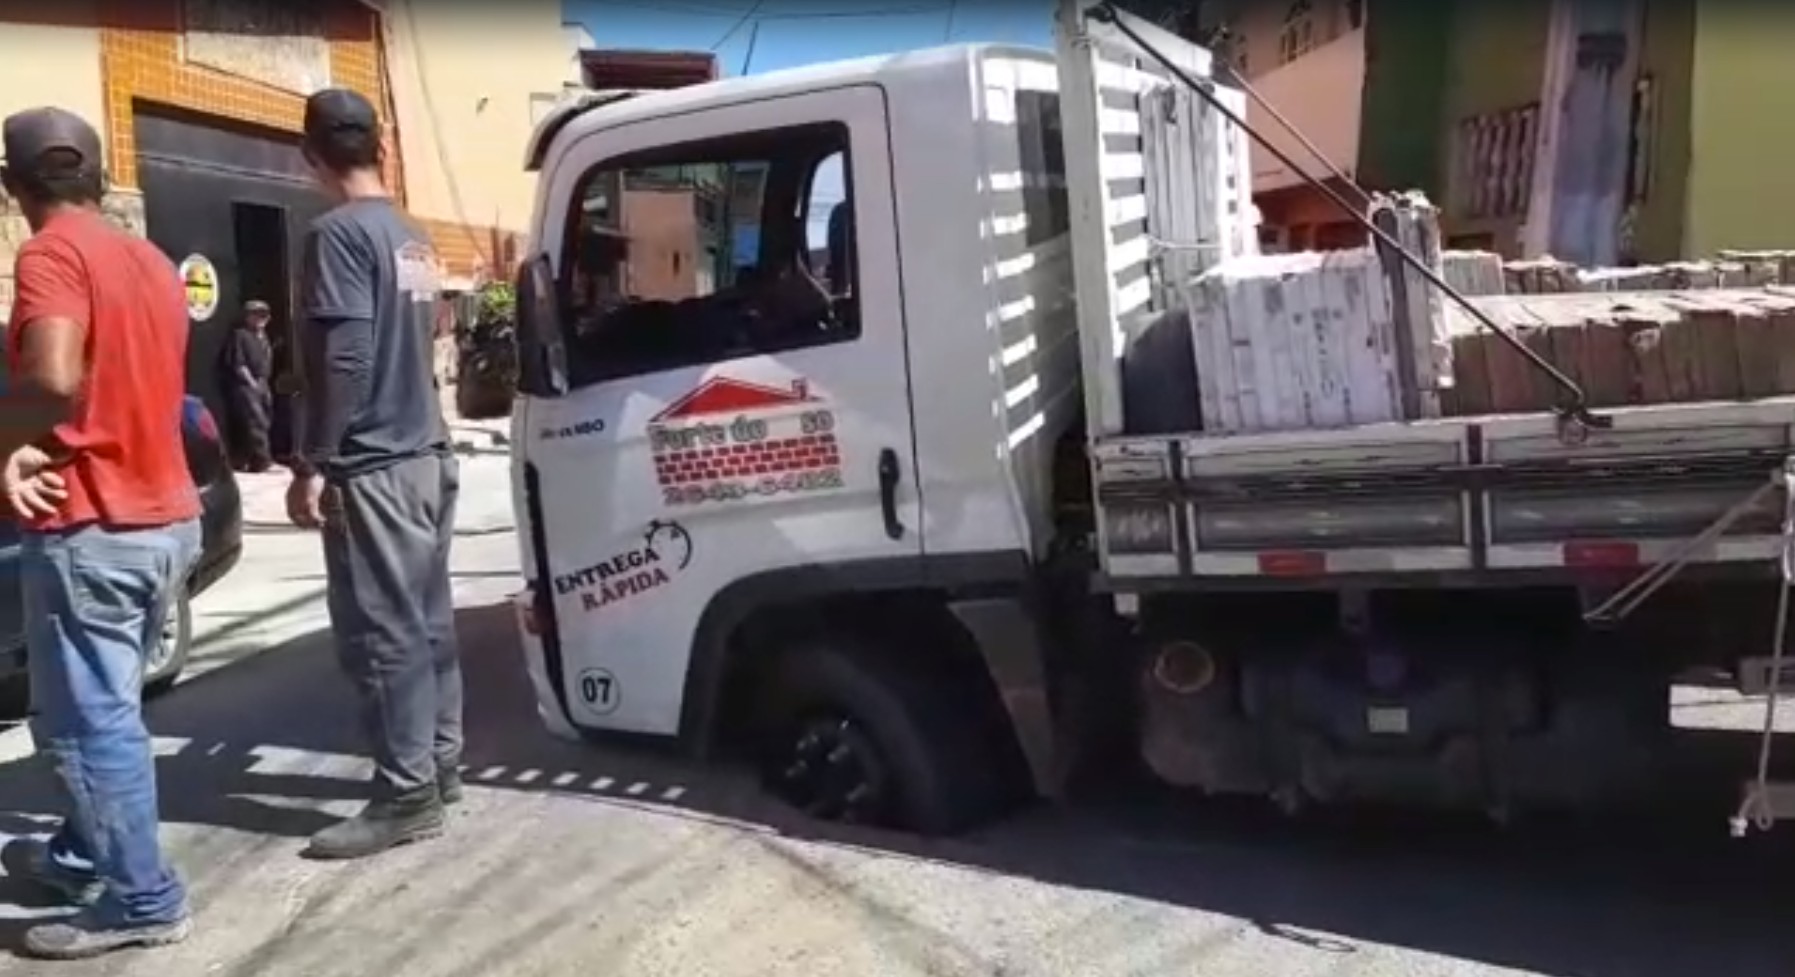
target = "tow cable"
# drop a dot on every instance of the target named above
(1760, 808)
(1764, 802)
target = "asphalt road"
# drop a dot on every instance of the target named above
(579, 859)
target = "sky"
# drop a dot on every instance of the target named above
(775, 34)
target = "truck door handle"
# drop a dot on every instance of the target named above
(889, 474)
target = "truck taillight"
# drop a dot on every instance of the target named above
(1293, 563)
(207, 424)
(1601, 554)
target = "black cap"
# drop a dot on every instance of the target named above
(339, 110)
(31, 134)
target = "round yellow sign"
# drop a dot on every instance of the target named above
(200, 277)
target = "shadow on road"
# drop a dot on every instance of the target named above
(264, 741)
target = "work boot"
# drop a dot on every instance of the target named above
(448, 785)
(81, 937)
(381, 825)
(77, 887)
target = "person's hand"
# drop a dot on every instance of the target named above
(304, 501)
(32, 487)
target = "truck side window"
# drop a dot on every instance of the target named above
(705, 251)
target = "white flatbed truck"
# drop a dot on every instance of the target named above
(831, 446)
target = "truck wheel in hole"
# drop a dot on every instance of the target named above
(849, 737)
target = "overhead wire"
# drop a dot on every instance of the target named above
(753, 40)
(740, 23)
(436, 137)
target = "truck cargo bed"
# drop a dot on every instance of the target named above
(1485, 500)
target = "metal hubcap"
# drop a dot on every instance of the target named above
(831, 769)
(166, 640)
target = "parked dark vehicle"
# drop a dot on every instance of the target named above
(223, 523)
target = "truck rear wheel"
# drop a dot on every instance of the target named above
(852, 737)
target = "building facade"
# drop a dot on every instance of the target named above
(200, 103)
(1599, 131)
(1612, 131)
(1306, 60)
(468, 83)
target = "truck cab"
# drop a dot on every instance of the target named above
(815, 353)
(860, 430)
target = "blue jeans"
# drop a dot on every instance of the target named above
(94, 604)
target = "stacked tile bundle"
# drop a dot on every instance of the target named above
(1324, 339)
(1627, 348)
(1483, 273)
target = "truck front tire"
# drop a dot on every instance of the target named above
(850, 734)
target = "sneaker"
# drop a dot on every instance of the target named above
(448, 786)
(79, 888)
(380, 826)
(82, 937)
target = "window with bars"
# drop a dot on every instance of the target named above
(1493, 163)
(1298, 35)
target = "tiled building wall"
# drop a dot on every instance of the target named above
(141, 60)
(469, 251)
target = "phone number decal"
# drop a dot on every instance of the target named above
(733, 490)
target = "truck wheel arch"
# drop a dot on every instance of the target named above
(988, 594)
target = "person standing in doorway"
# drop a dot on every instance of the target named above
(248, 381)
(97, 477)
(377, 475)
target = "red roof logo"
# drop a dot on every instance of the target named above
(723, 395)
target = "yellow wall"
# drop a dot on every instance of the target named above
(1741, 138)
(54, 65)
(1667, 56)
(462, 79)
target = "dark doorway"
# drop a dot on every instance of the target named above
(239, 196)
(264, 273)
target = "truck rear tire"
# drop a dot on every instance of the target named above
(850, 736)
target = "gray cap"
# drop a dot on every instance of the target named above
(30, 134)
(336, 110)
(254, 306)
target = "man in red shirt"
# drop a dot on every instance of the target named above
(97, 476)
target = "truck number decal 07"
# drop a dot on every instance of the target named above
(599, 691)
(730, 440)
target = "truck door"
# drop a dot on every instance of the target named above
(737, 386)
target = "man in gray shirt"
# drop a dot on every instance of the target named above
(376, 474)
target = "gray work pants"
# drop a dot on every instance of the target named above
(386, 556)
